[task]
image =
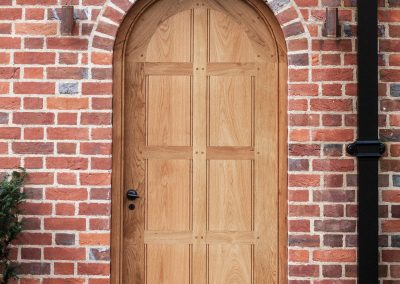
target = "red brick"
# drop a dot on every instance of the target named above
(33, 73)
(33, 148)
(10, 14)
(10, 103)
(65, 209)
(391, 226)
(304, 210)
(390, 75)
(42, 88)
(40, 178)
(334, 165)
(64, 133)
(66, 178)
(97, 88)
(41, 58)
(36, 208)
(73, 224)
(331, 105)
(62, 268)
(303, 180)
(95, 178)
(34, 14)
(101, 58)
(9, 73)
(93, 269)
(68, 58)
(33, 103)
(78, 194)
(67, 103)
(93, 118)
(27, 118)
(10, 133)
(61, 253)
(9, 163)
(69, 163)
(338, 135)
(67, 118)
(36, 29)
(94, 239)
(67, 43)
(333, 74)
(33, 43)
(26, 238)
(335, 255)
(10, 43)
(66, 148)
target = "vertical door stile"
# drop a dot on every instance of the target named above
(266, 171)
(199, 144)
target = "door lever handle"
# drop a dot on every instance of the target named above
(132, 194)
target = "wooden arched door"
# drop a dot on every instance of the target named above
(199, 136)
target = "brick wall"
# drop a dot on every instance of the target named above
(55, 120)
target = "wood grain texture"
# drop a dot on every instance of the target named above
(170, 56)
(169, 111)
(231, 111)
(230, 196)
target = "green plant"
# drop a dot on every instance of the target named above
(10, 226)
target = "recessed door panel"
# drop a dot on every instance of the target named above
(230, 196)
(168, 264)
(230, 264)
(169, 107)
(168, 195)
(231, 111)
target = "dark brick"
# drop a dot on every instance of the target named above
(304, 241)
(333, 240)
(34, 268)
(298, 165)
(396, 180)
(335, 225)
(299, 59)
(333, 150)
(65, 239)
(332, 195)
(332, 271)
(395, 241)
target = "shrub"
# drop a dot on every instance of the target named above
(10, 226)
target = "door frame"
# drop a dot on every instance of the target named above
(117, 194)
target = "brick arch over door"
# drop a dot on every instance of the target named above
(286, 11)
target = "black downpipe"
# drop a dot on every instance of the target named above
(368, 149)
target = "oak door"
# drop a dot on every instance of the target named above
(200, 146)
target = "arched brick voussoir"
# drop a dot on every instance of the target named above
(286, 11)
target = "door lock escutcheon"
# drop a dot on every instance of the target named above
(132, 194)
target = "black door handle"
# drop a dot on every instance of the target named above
(132, 194)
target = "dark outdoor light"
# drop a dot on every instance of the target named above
(67, 20)
(331, 26)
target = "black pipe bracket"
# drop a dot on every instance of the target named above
(366, 149)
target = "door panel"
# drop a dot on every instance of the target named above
(169, 264)
(230, 264)
(169, 110)
(200, 147)
(168, 195)
(231, 111)
(172, 40)
(230, 196)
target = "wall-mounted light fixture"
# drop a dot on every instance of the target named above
(67, 19)
(331, 26)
